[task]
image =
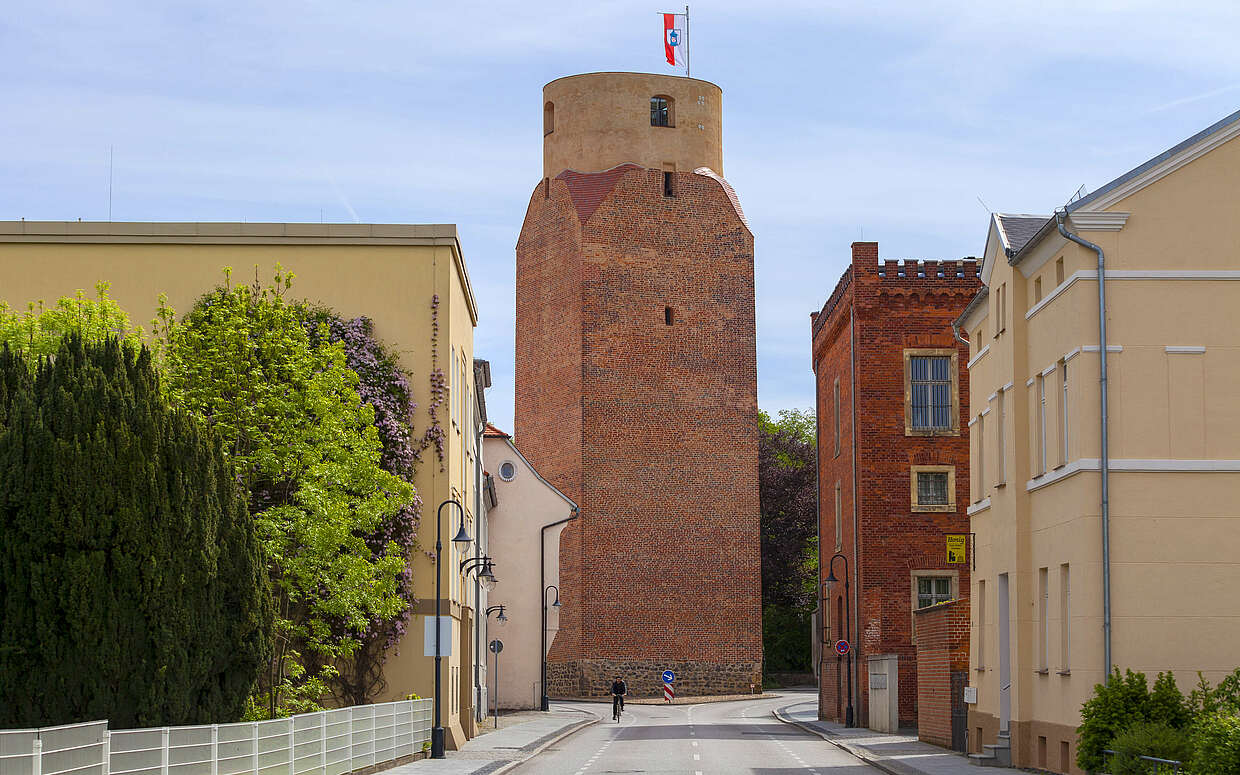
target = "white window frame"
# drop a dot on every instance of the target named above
(1041, 406)
(1001, 432)
(1065, 618)
(1063, 412)
(1043, 620)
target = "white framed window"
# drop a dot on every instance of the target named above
(1001, 432)
(507, 471)
(932, 590)
(1043, 619)
(981, 457)
(1065, 618)
(452, 388)
(1063, 412)
(1041, 408)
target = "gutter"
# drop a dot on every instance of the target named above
(1060, 218)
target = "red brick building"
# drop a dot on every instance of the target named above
(636, 387)
(893, 450)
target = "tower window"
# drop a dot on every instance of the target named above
(548, 118)
(669, 315)
(669, 184)
(662, 111)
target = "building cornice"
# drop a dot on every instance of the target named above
(1098, 221)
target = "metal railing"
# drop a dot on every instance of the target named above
(1160, 767)
(330, 742)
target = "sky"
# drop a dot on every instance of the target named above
(903, 123)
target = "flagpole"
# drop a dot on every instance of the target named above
(686, 41)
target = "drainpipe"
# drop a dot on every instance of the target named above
(1060, 217)
(956, 334)
(479, 550)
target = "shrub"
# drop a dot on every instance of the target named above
(1216, 745)
(131, 585)
(1114, 707)
(1147, 738)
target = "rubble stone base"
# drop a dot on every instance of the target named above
(592, 677)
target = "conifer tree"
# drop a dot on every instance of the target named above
(131, 584)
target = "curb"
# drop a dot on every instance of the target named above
(891, 768)
(574, 729)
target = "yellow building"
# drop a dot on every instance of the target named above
(1166, 452)
(391, 273)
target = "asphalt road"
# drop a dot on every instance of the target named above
(731, 738)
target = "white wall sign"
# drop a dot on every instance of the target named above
(445, 636)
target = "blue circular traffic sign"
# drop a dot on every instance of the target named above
(669, 677)
(841, 647)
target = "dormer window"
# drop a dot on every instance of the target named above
(662, 111)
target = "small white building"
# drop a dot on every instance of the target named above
(525, 520)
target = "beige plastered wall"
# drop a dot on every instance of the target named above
(1174, 446)
(388, 273)
(522, 507)
(603, 119)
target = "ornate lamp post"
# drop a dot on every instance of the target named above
(546, 701)
(462, 538)
(831, 579)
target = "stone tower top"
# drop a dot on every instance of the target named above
(595, 121)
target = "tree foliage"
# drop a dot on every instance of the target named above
(307, 448)
(384, 387)
(131, 583)
(39, 329)
(789, 525)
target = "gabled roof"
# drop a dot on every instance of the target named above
(589, 189)
(491, 432)
(1017, 230)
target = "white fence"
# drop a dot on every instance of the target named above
(331, 742)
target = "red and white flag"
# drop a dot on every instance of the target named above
(676, 38)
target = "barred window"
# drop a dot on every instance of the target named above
(930, 389)
(933, 590)
(932, 488)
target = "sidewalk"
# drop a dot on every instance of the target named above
(897, 754)
(497, 751)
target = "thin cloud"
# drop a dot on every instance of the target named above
(1193, 98)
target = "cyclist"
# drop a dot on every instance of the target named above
(618, 690)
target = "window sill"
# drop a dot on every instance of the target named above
(1000, 484)
(945, 508)
(1063, 672)
(931, 431)
(979, 669)
(1043, 671)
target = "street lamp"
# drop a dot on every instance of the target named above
(482, 566)
(546, 702)
(461, 537)
(831, 579)
(502, 619)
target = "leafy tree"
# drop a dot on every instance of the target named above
(39, 329)
(789, 524)
(307, 448)
(385, 387)
(1147, 738)
(131, 584)
(1216, 744)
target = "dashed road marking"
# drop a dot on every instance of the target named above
(697, 757)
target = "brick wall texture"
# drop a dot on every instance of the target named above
(876, 311)
(651, 428)
(942, 649)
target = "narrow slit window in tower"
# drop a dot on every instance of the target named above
(669, 184)
(669, 315)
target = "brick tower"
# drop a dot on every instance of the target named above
(636, 390)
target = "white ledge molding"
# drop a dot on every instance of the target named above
(980, 506)
(1135, 465)
(1096, 221)
(1185, 348)
(977, 357)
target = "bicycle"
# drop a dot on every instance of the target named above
(617, 707)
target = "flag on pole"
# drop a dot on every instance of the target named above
(676, 38)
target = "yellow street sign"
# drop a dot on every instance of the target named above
(956, 548)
